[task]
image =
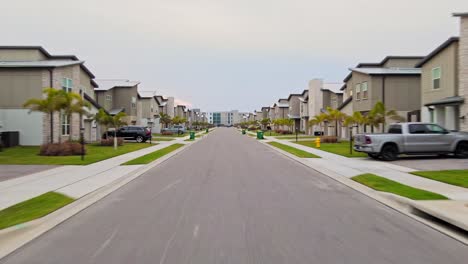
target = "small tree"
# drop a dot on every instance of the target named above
(336, 116)
(48, 105)
(318, 120)
(105, 119)
(380, 115)
(165, 119)
(73, 103)
(265, 122)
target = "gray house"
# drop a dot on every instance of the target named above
(24, 72)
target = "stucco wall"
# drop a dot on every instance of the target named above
(28, 124)
(463, 71)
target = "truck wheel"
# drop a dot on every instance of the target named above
(389, 153)
(462, 150)
(373, 155)
(139, 139)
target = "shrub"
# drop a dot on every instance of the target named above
(329, 139)
(110, 142)
(283, 132)
(167, 133)
(61, 149)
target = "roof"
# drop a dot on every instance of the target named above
(388, 71)
(92, 101)
(291, 95)
(266, 108)
(345, 103)
(107, 84)
(462, 14)
(343, 87)
(38, 64)
(283, 105)
(447, 101)
(116, 111)
(439, 49)
(147, 94)
(333, 87)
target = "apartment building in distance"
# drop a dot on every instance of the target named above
(24, 72)
(224, 118)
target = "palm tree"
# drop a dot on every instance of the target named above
(265, 122)
(73, 103)
(335, 115)
(380, 115)
(165, 119)
(114, 121)
(48, 105)
(359, 120)
(318, 120)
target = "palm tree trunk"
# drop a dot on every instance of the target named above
(51, 127)
(336, 128)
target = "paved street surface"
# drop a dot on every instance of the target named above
(230, 199)
(427, 163)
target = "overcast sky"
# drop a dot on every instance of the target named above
(229, 54)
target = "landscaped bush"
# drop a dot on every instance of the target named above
(110, 141)
(167, 133)
(61, 149)
(283, 132)
(329, 139)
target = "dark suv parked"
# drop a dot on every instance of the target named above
(140, 134)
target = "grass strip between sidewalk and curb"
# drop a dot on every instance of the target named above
(453, 177)
(297, 152)
(34, 208)
(385, 185)
(148, 158)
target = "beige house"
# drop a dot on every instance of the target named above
(304, 111)
(24, 72)
(294, 110)
(149, 110)
(463, 70)
(118, 95)
(439, 86)
(395, 81)
(320, 96)
(282, 109)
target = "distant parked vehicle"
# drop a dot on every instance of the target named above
(137, 133)
(175, 130)
(412, 139)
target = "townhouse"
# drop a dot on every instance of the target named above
(24, 72)
(294, 109)
(304, 111)
(320, 96)
(395, 81)
(149, 110)
(120, 95)
(281, 109)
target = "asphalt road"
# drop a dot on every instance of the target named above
(229, 199)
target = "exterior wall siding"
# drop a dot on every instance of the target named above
(463, 71)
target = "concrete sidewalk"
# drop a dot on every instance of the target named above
(350, 167)
(74, 181)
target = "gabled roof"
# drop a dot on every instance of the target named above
(439, 49)
(107, 84)
(462, 14)
(147, 94)
(453, 100)
(332, 87)
(388, 71)
(291, 95)
(38, 64)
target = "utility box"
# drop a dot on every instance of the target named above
(10, 138)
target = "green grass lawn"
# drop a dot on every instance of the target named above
(454, 177)
(27, 155)
(294, 137)
(169, 136)
(341, 148)
(274, 134)
(32, 209)
(162, 138)
(297, 152)
(385, 185)
(148, 158)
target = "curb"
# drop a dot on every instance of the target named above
(15, 237)
(395, 202)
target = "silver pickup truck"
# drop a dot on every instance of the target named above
(412, 139)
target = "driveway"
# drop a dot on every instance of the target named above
(428, 163)
(8, 172)
(231, 199)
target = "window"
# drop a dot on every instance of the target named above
(364, 90)
(395, 129)
(417, 129)
(67, 85)
(350, 92)
(108, 97)
(65, 125)
(133, 102)
(358, 91)
(436, 72)
(152, 109)
(435, 129)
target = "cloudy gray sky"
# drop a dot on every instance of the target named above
(229, 54)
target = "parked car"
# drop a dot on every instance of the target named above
(175, 130)
(138, 133)
(412, 139)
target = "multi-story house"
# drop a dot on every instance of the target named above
(322, 95)
(265, 112)
(180, 111)
(24, 72)
(294, 109)
(118, 95)
(463, 70)
(439, 86)
(304, 111)
(149, 110)
(395, 81)
(282, 109)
